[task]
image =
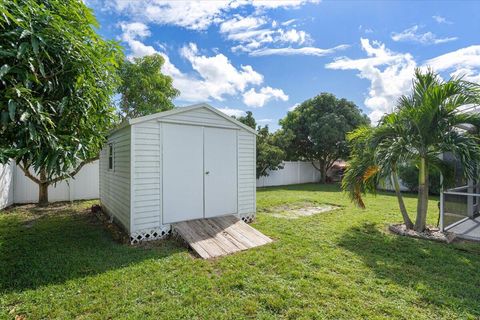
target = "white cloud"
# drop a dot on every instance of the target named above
(195, 15)
(280, 3)
(312, 51)
(258, 99)
(288, 22)
(390, 75)
(218, 76)
(293, 107)
(255, 32)
(238, 23)
(131, 33)
(462, 62)
(215, 76)
(232, 112)
(440, 19)
(264, 120)
(412, 34)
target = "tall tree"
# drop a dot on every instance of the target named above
(57, 77)
(144, 88)
(269, 156)
(423, 127)
(315, 131)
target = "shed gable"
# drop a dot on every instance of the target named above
(200, 116)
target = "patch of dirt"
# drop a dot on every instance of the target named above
(431, 233)
(288, 212)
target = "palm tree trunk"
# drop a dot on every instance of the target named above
(422, 202)
(406, 219)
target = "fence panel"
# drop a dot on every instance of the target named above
(6, 184)
(17, 188)
(293, 172)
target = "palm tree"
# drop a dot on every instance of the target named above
(424, 125)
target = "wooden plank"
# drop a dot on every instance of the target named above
(219, 236)
(204, 240)
(221, 232)
(184, 231)
(230, 229)
(249, 229)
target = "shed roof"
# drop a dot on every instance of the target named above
(185, 109)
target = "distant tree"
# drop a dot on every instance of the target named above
(269, 155)
(57, 77)
(315, 131)
(248, 119)
(144, 88)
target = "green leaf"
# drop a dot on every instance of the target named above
(25, 33)
(12, 107)
(4, 70)
(35, 45)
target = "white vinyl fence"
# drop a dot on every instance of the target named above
(293, 172)
(17, 188)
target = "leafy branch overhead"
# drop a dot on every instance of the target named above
(57, 77)
(144, 89)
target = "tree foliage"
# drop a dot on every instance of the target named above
(57, 76)
(424, 126)
(144, 88)
(316, 130)
(269, 156)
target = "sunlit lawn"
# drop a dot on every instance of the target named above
(61, 263)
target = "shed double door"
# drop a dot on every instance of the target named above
(199, 169)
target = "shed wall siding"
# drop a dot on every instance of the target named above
(146, 180)
(115, 184)
(147, 167)
(246, 173)
(201, 117)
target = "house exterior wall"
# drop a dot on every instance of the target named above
(115, 184)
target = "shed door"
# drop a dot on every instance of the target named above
(182, 171)
(220, 154)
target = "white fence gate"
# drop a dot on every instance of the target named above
(17, 188)
(293, 172)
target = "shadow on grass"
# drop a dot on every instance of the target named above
(53, 248)
(441, 274)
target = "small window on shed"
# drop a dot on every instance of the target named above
(110, 157)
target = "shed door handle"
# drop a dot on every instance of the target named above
(207, 172)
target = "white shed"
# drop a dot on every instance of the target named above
(184, 164)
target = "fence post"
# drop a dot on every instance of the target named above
(442, 204)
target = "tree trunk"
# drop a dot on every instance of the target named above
(43, 190)
(406, 219)
(323, 172)
(422, 201)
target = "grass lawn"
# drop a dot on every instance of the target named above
(61, 263)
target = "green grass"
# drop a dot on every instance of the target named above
(61, 263)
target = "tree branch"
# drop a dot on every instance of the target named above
(28, 174)
(74, 172)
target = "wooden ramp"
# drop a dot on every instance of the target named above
(215, 237)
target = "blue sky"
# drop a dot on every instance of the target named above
(268, 56)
